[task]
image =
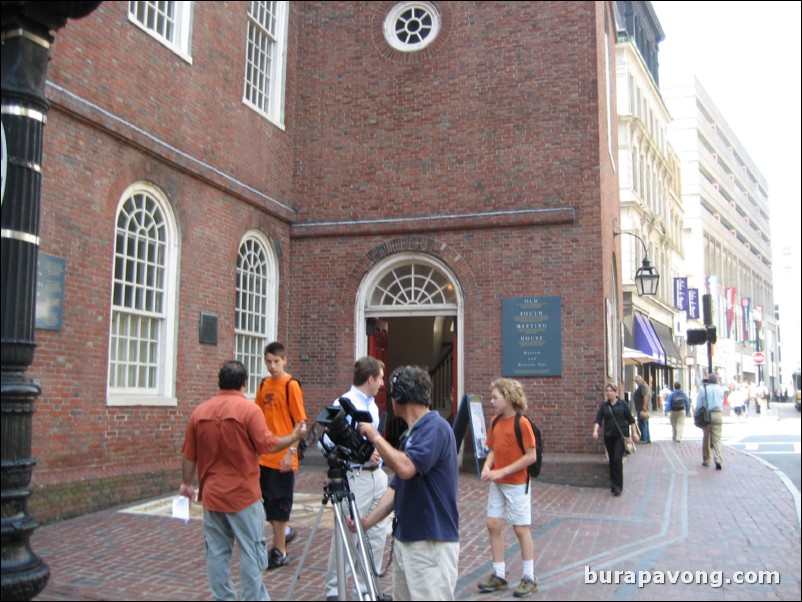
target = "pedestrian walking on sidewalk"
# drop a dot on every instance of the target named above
(641, 397)
(617, 420)
(508, 496)
(712, 397)
(678, 406)
(224, 438)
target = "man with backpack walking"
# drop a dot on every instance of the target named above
(508, 497)
(677, 407)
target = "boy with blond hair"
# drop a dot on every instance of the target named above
(506, 471)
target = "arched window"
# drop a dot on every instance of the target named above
(142, 335)
(257, 303)
(413, 284)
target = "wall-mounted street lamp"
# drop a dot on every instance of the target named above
(646, 278)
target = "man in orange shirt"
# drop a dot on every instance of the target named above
(281, 400)
(224, 438)
(508, 496)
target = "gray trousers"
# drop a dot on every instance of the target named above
(220, 530)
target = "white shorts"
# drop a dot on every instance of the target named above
(511, 502)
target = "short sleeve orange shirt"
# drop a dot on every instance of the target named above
(502, 440)
(280, 414)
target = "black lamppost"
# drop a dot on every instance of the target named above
(26, 41)
(646, 278)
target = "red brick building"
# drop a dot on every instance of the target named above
(344, 177)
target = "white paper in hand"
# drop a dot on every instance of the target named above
(181, 508)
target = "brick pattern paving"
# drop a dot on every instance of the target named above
(674, 515)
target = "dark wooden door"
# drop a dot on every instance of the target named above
(377, 347)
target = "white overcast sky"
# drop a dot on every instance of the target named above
(747, 56)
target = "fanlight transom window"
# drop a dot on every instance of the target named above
(414, 284)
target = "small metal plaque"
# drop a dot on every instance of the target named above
(208, 329)
(49, 291)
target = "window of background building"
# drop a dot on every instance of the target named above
(168, 22)
(257, 300)
(265, 58)
(142, 333)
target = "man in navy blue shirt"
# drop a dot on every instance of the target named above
(423, 492)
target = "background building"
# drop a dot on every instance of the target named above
(345, 177)
(651, 205)
(729, 236)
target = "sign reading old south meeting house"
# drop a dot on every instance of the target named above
(531, 336)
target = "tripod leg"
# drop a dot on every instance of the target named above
(355, 549)
(339, 556)
(371, 581)
(348, 548)
(301, 562)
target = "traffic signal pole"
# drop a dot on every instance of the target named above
(707, 314)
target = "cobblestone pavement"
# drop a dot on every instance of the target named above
(737, 524)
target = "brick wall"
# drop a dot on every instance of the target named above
(506, 112)
(116, 120)
(498, 130)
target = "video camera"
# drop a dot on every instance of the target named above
(348, 444)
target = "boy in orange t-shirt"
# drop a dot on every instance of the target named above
(508, 496)
(281, 400)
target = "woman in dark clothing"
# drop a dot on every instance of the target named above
(610, 411)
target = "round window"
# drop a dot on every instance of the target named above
(412, 26)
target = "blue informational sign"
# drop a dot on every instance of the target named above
(531, 336)
(49, 291)
(693, 303)
(681, 293)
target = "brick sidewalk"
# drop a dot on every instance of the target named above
(674, 515)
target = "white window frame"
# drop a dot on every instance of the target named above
(164, 316)
(180, 41)
(394, 23)
(256, 311)
(264, 90)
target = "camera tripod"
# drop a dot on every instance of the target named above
(338, 493)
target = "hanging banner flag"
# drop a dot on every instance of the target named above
(730, 294)
(681, 293)
(693, 303)
(746, 305)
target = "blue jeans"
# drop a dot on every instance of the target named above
(247, 527)
(643, 426)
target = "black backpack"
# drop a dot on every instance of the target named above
(678, 401)
(302, 444)
(533, 469)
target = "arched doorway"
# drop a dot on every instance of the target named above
(408, 310)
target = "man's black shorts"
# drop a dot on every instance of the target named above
(277, 488)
